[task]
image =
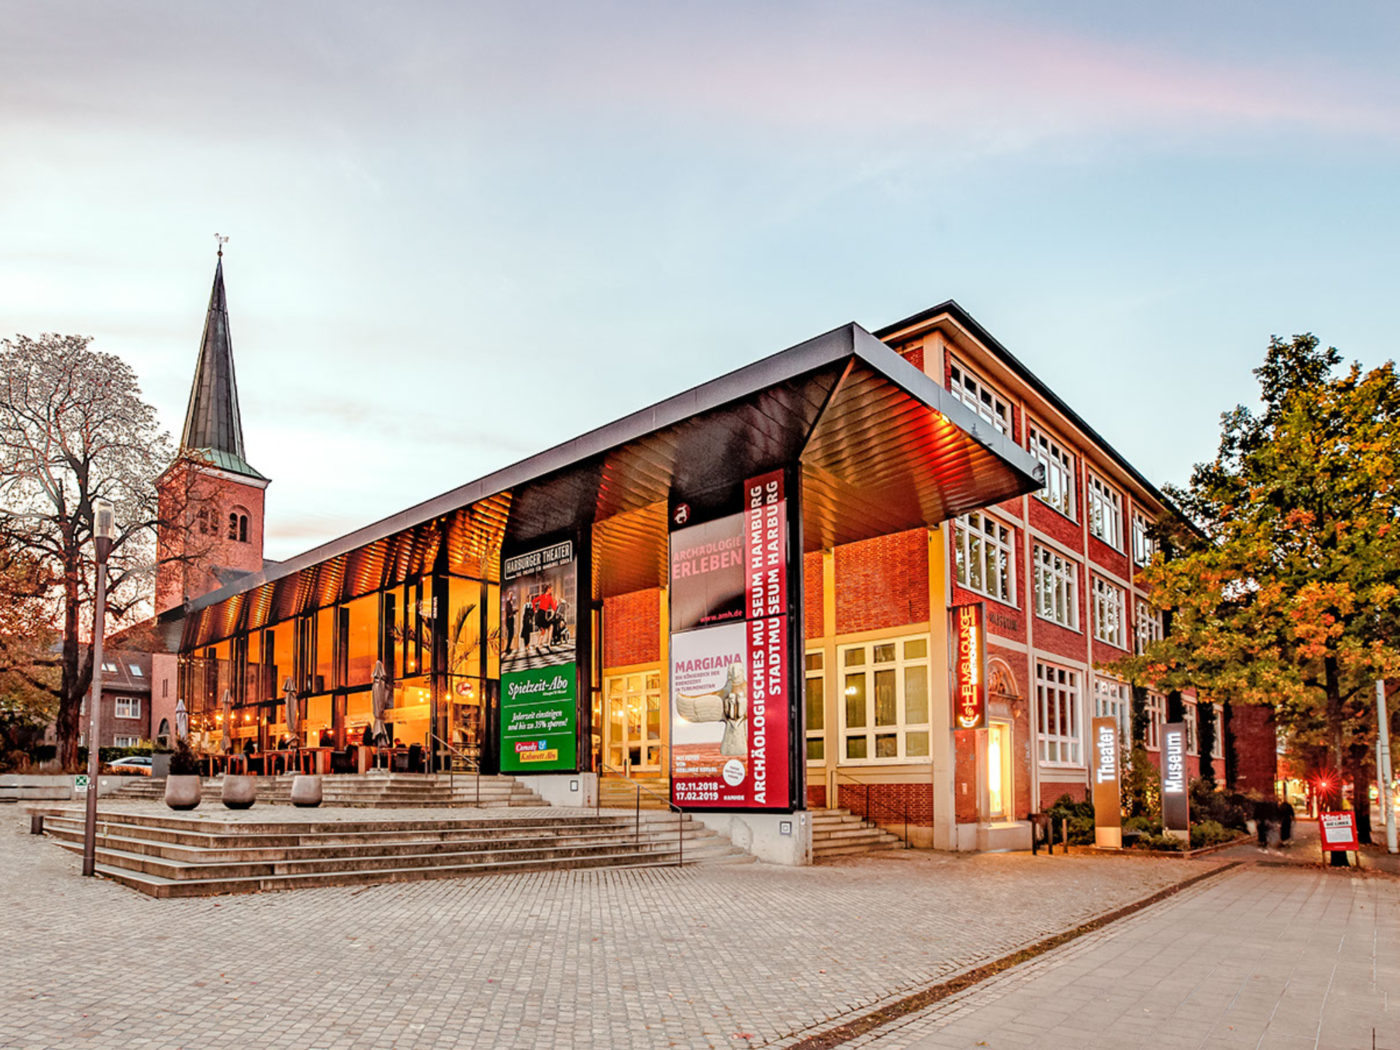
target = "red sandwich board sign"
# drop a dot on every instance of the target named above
(1338, 831)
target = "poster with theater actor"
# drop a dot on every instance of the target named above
(539, 673)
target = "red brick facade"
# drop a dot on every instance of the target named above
(882, 582)
(632, 629)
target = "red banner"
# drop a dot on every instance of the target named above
(1338, 831)
(969, 666)
(730, 710)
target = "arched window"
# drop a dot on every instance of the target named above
(203, 519)
(163, 733)
(238, 525)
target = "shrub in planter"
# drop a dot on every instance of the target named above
(1080, 816)
(1210, 833)
(1168, 843)
(182, 788)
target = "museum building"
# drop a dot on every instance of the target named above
(751, 593)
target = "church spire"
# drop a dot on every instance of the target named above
(213, 429)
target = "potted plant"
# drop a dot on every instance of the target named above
(182, 786)
(240, 791)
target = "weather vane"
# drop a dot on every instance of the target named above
(222, 241)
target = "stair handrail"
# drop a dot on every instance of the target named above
(901, 811)
(603, 767)
(472, 763)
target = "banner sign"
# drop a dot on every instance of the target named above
(539, 673)
(969, 632)
(1108, 801)
(730, 678)
(1176, 814)
(1338, 831)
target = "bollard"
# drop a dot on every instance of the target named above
(36, 823)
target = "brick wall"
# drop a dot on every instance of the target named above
(888, 802)
(882, 582)
(188, 553)
(812, 594)
(632, 628)
(1256, 743)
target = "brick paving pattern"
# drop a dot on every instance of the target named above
(700, 957)
(1268, 958)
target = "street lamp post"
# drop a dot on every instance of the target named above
(103, 533)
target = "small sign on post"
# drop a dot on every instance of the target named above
(1176, 807)
(1338, 831)
(1108, 801)
(80, 784)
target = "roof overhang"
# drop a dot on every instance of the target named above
(883, 448)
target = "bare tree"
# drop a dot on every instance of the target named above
(74, 429)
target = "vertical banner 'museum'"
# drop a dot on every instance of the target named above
(1176, 817)
(729, 665)
(969, 666)
(539, 671)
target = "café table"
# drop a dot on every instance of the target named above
(316, 759)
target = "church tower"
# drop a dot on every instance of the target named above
(211, 499)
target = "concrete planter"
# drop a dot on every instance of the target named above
(239, 792)
(306, 790)
(182, 792)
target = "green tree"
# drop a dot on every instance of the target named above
(1289, 595)
(73, 429)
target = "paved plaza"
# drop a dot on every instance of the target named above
(724, 956)
(1275, 958)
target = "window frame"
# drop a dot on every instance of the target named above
(901, 728)
(1147, 625)
(1106, 597)
(124, 740)
(1065, 685)
(964, 534)
(131, 703)
(975, 393)
(1113, 698)
(1105, 510)
(1156, 710)
(1144, 546)
(1063, 576)
(1057, 460)
(814, 673)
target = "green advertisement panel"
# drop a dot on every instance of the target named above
(539, 652)
(539, 711)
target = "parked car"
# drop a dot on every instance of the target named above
(132, 765)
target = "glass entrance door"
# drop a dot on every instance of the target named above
(632, 721)
(998, 770)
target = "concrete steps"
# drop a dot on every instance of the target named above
(179, 856)
(375, 790)
(621, 793)
(839, 832)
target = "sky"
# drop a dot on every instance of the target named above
(462, 232)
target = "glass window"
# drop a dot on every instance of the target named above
(128, 707)
(979, 397)
(1217, 747)
(463, 626)
(135, 670)
(885, 716)
(281, 644)
(1105, 513)
(325, 648)
(1059, 472)
(1112, 700)
(1056, 588)
(1144, 546)
(361, 639)
(124, 741)
(815, 708)
(1193, 741)
(1149, 627)
(1156, 715)
(1109, 625)
(984, 552)
(1057, 701)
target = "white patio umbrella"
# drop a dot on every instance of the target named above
(182, 720)
(227, 710)
(379, 701)
(290, 699)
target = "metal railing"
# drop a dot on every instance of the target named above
(900, 812)
(603, 767)
(473, 764)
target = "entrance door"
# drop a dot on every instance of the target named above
(632, 722)
(998, 770)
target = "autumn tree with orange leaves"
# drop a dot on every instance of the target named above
(1289, 595)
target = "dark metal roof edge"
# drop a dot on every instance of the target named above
(952, 308)
(923, 387)
(805, 357)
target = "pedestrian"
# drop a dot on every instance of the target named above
(1264, 812)
(1285, 821)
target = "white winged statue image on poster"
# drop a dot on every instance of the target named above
(729, 704)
